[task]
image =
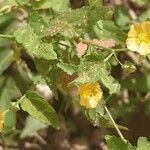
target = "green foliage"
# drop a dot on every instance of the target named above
(139, 83)
(128, 67)
(56, 5)
(68, 68)
(122, 17)
(6, 57)
(7, 92)
(39, 45)
(99, 117)
(144, 16)
(31, 127)
(39, 108)
(38, 23)
(78, 21)
(94, 71)
(73, 21)
(34, 46)
(115, 143)
(106, 29)
(143, 144)
(22, 76)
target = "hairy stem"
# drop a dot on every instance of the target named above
(115, 125)
(108, 57)
(117, 58)
(90, 42)
(6, 36)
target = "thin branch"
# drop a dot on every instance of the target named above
(6, 36)
(40, 139)
(90, 42)
(115, 125)
(108, 57)
(7, 146)
(117, 58)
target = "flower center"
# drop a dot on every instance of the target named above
(143, 37)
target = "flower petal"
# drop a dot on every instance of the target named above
(139, 38)
(90, 94)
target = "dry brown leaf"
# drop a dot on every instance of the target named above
(104, 43)
(81, 49)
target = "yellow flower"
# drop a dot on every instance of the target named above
(1, 120)
(139, 38)
(90, 94)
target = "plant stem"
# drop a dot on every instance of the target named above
(20, 99)
(90, 42)
(117, 58)
(6, 36)
(6, 111)
(15, 104)
(108, 57)
(40, 139)
(115, 125)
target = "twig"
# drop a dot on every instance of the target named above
(5, 145)
(117, 58)
(6, 36)
(115, 125)
(90, 42)
(108, 57)
(40, 139)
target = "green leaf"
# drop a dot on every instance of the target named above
(143, 144)
(5, 9)
(23, 2)
(59, 6)
(6, 6)
(46, 52)
(38, 23)
(56, 5)
(68, 68)
(31, 127)
(138, 83)
(144, 16)
(105, 13)
(106, 29)
(9, 122)
(99, 118)
(95, 114)
(115, 143)
(95, 2)
(43, 66)
(69, 22)
(128, 67)
(121, 15)
(34, 46)
(6, 57)
(94, 71)
(79, 21)
(9, 2)
(7, 93)
(39, 109)
(22, 76)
